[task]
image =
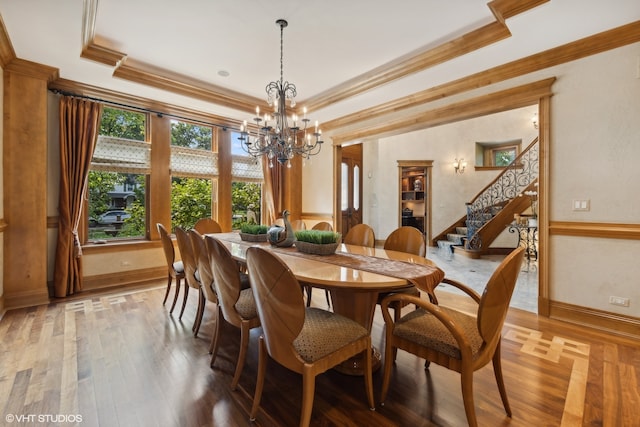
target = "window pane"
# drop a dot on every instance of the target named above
(117, 178)
(356, 187)
(246, 200)
(191, 153)
(190, 201)
(116, 205)
(344, 185)
(504, 157)
(243, 165)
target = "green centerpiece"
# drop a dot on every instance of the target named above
(318, 242)
(253, 232)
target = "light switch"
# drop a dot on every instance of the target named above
(581, 205)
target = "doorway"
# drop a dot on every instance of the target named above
(350, 188)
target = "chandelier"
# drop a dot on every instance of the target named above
(279, 136)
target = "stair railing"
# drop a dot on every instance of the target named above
(509, 184)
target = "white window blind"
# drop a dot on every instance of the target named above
(121, 155)
(192, 162)
(246, 168)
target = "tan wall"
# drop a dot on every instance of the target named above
(1, 198)
(593, 151)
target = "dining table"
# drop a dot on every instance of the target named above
(353, 275)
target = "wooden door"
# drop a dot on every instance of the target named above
(351, 186)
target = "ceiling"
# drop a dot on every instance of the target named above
(343, 56)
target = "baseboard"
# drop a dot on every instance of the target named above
(25, 299)
(610, 323)
(123, 278)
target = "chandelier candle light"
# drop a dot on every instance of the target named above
(279, 139)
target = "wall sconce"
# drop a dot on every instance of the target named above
(534, 120)
(459, 166)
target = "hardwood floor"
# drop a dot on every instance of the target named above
(121, 359)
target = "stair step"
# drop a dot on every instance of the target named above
(446, 245)
(456, 239)
(461, 230)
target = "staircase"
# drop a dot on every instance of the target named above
(456, 238)
(493, 208)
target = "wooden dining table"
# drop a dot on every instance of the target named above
(354, 275)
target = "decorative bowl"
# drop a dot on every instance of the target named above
(317, 249)
(247, 237)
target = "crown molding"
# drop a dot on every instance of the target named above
(587, 46)
(515, 97)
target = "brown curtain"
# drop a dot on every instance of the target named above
(272, 190)
(79, 126)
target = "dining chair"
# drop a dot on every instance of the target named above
(236, 303)
(452, 338)
(306, 340)
(361, 235)
(298, 225)
(175, 269)
(207, 225)
(204, 273)
(190, 270)
(323, 225)
(409, 240)
(406, 239)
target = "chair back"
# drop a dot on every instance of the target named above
(207, 225)
(280, 304)
(324, 226)
(361, 235)
(187, 255)
(226, 274)
(203, 265)
(167, 245)
(406, 239)
(298, 224)
(495, 299)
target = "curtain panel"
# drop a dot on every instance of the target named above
(79, 127)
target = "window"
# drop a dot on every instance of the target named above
(121, 182)
(246, 185)
(497, 154)
(194, 166)
(118, 177)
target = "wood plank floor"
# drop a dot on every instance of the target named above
(120, 359)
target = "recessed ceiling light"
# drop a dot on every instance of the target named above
(223, 73)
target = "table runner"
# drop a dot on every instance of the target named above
(424, 277)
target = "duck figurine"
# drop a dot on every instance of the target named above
(282, 236)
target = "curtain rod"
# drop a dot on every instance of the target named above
(141, 109)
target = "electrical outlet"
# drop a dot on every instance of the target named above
(621, 301)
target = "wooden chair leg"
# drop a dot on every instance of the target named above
(368, 378)
(497, 370)
(466, 380)
(199, 313)
(309, 290)
(175, 296)
(308, 391)
(166, 294)
(389, 359)
(184, 299)
(215, 339)
(262, 367)
(244, 345)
